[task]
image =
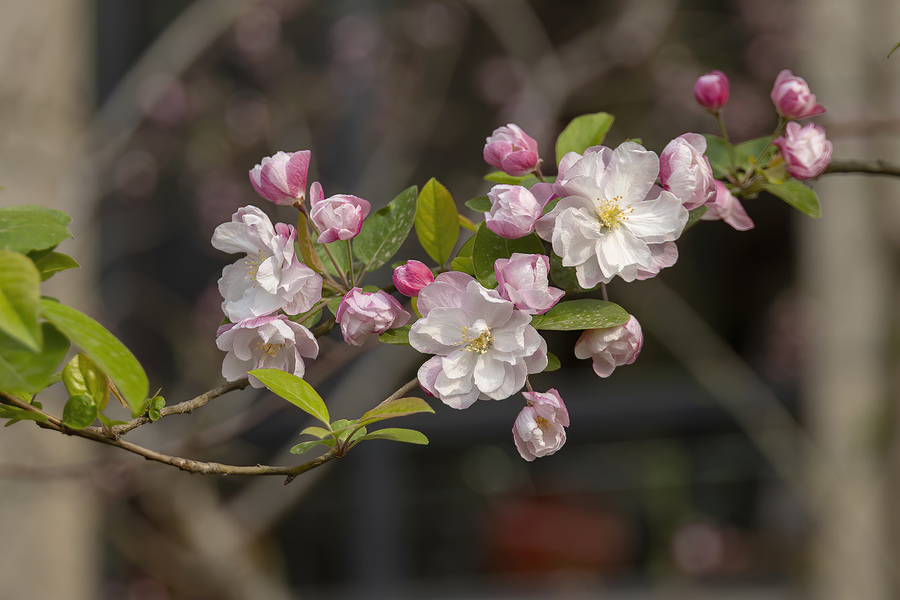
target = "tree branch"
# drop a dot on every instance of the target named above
(868, 167)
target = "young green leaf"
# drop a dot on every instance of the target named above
(82, 376)
(552, 363)
(480, 204)
(319, 432)
(409, 436)
(797, 195)
(54, 262)
(489, 246)
(23, 371)
(295, 390)
(157, 403)
(694, 217)
(304, 446)
(80, 411)
(385, 230)
(26, 228)
(17, 414)
(20, 293)
(398, 336)
(109, 353)
(574, 315)
(437, 221)
(400, 407)
(504, 178)
(582, 133)
(338, 252)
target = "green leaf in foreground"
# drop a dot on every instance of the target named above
(20, 294)
(23, 371)
(409, 436)
(384, 231)
(398, 336)
(437, 221)
(53, 263)
(109, 353)
(80, 412)
(295, 390)
(480, 204)
(582, 133)
(401, 407)
(26, 228)
(797, 195)
(82, 376)
(575, 315)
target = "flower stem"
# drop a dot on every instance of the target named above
(350, 263)
(728, 146)
(781, 123)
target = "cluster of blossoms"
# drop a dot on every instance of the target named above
(609, 212)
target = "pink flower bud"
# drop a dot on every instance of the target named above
(363, 314)
(727, 208)
(514, 211)
(538, 430)
(339, 217)
(512, 151)
(806, 151)
(611, 347)
(412, 277)
(711, 90)
(792, 97)
(282, 178)
(685, 171)
(522, 279)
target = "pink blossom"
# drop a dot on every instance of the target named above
(282, 178)
(484, 348)
(661, 256)
(411, 277)
(806, 151)
(611, 347)
(363, 314)
(792, 97)
(538, 430)
(514, 211)
(339, 217)
(270, 277)
(522, 279)
(727, 208)
(711, 90)
(685, 171)
(512, 151)
(271, 342)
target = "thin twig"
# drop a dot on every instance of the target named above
(868, 167)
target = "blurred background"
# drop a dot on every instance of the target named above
(751, 452)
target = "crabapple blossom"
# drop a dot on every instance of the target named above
(270, 277)
(727, 208)
(539, 428)
(270, 342)
(611, 347)
(514, 211)
(522, 279)
(711, 90)
(661, 256)
(363, 314)
(792, 97)
(685, 171)
(282, 178)
(339, 217)
(610, 214)
(484, 348)
(411, 277)
(806, 151)
(512, 151)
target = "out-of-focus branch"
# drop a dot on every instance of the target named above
(863, 167)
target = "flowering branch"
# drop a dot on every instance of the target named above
(868, 167)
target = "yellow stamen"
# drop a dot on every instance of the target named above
(611, 214)
(269, 349)
(480, 344)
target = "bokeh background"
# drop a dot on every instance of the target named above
(751, 452)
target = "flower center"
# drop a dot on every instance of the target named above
(253, 264)
(611, 214)
(269, 349)
(481, 343)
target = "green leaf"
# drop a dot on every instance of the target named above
(574, 315)
(552, 363)
(157, 403)
(338, 253)
(20, 293)
(437, 221)
(110, 422)
(504, 178)
(20, 414)
(295, 390)
(80, 411)
(463, 264)
(26, 228)
(489, 246)
(797, 195)
(22, 371)
(308, 248)
(311, 321)
(82, 376)
(319, 432)
(582, 133)
(480, 204)
(565, 277)
(409, 436)
(54, 262)
(401, 407)
(897, 45)
(109, 353)
(333, 304)
(398, 336)
(385, 230)
(694, 217)
(717, 153)
(304, 446)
